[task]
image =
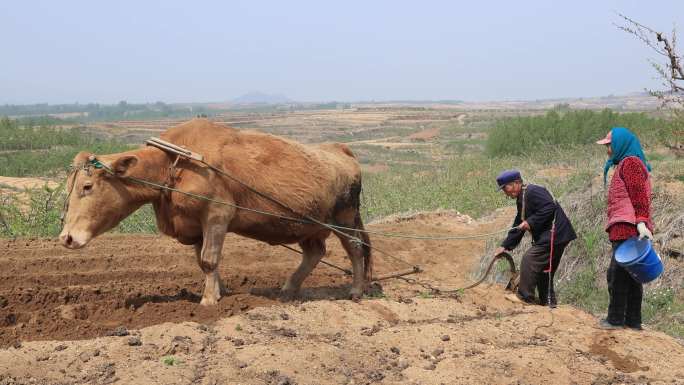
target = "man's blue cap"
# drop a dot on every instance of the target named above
(506, 177)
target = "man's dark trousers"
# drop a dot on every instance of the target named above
(532, 275)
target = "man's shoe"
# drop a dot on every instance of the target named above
(634, 327)
(605, 325)
(515, 298)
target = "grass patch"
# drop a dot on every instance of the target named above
(466, 183)
(369, 153)
(376, 294)
(584, 293)
(517, 136)
(171, 361)
(461, 146)
(658, 302)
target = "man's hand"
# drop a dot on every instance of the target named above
(644, 232)
(500, 250)
(524, 226)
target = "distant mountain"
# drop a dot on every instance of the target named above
(261, 98)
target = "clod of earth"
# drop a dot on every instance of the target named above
(85, 356)
(285, 332)
(179, 344)
(402, 363)
(120, 331)
(43, 357)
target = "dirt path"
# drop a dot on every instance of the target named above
(57, 307)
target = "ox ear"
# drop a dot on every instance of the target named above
(80, 159)
(122, 165)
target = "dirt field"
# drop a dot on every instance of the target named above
(18, 184)
(125, 310)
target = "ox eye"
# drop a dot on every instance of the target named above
(87, 187)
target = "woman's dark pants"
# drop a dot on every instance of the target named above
(625, 294)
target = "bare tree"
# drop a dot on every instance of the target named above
(671, 75)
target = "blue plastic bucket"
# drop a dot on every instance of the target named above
(639, 259)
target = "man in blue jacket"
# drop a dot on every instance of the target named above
(540, 214)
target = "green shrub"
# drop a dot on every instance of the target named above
(522, 135)
(51, 162)
(37, 214)
(27, 150)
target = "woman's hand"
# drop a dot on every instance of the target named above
(644, 232)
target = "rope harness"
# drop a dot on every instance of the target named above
(174, 175)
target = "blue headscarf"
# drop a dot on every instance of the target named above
(623, 143)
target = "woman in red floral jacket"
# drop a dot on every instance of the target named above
(629, 215)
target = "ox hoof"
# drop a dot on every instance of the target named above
(355, 295)
(287, 295)
(209, 301)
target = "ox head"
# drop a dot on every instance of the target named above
(98, 197)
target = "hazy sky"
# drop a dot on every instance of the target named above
(182, 51)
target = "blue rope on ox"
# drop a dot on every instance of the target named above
(97, 164)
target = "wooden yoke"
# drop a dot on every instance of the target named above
(172, 148)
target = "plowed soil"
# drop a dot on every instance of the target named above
(126, 310)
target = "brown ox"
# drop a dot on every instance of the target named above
(321, 182)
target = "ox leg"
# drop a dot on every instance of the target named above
(355, 253)
(359, 253)
(313, 250)
(208, 258)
